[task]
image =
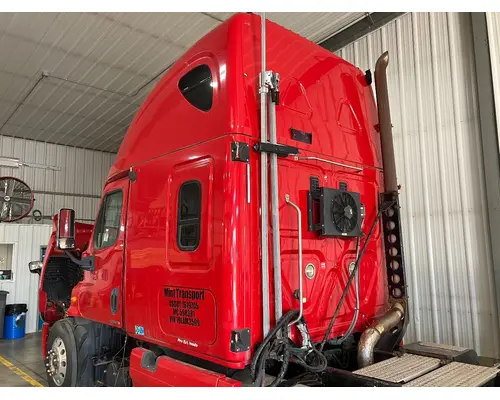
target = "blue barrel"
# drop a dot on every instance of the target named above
(14, 326)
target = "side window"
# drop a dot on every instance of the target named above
(189, 216)
(108, 222)
(196, 87)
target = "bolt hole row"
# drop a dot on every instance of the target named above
(393, 251)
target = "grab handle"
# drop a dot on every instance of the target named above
(299, 222)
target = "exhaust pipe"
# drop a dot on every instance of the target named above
(396, 314)
(385, 125)
(371, 336)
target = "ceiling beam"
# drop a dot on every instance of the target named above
(361, 28)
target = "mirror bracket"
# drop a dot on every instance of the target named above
(86, 263)
(35, 267)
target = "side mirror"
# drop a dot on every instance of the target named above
(66, 229)
(35, 267)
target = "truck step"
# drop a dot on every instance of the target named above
(417, 371)
(456, 374)
(442, 351)
(400, 369)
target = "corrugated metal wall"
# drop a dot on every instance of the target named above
(78, 184)
(438, 154)
(27, 240)
(493, 21)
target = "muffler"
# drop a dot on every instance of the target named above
(371, 336)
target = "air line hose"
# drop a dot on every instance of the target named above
(287, 351)
(264, 348)
(351, 277)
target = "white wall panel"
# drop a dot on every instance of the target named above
(78, 184)
(493, 21)
(438, 155)
(23, 289)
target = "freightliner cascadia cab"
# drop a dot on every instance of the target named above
(239, 233)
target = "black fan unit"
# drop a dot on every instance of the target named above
(344, 211)
(339, 213)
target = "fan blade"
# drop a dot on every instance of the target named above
(6, 213)
(9, 189)
(20, 200)
(5, 186)
(4, 210)
(338, 218)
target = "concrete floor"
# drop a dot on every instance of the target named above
(26, 357)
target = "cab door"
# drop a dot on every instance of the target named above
(101, 296)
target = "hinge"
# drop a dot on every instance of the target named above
(240, 151)
(132, 175)
(240, 340)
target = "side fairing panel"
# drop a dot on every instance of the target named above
(188, 300)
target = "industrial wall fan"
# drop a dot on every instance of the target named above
(16, 199)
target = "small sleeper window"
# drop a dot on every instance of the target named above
(196, 87)
(189, 216)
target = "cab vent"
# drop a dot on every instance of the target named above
(314, 184)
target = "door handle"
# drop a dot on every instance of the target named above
(114, 301)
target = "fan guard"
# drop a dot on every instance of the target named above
(344, 212)
(16, 199)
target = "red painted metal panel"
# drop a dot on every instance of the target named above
(170, 372)
(154, 262)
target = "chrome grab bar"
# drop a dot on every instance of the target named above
(301, 298)
(297, 158)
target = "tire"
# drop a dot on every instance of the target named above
(71, 345)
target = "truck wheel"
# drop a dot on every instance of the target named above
(67, 359)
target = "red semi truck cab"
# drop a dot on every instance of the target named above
(170, 276)
(175, 256)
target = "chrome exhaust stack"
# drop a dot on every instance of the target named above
(396, 317)
(385, 125)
